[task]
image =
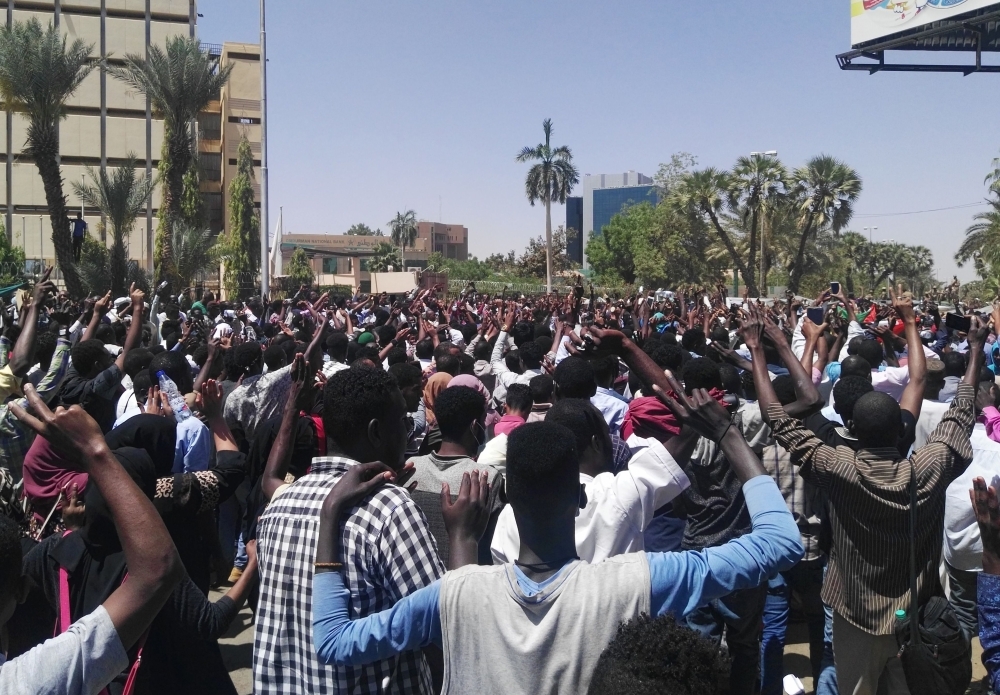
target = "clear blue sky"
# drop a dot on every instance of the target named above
(387, 105)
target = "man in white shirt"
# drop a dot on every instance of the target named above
(616, 509)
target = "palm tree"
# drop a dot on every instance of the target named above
(120, 197)
(179, 82)
(38, 74)
(383, 256)
(852, 246)
(403, 232)
(703, 194)
(826, 189)
(193, 249)
(982, 240)
(550, 180)
(756, 185)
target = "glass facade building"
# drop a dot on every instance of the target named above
(574, 221)
(608, 202)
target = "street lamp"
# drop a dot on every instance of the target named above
(870, 230)
(265, 279)
(757, 155)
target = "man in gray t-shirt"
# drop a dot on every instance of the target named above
(460, 412)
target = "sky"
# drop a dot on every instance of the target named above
(381, 106)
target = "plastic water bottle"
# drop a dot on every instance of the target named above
(174, 397)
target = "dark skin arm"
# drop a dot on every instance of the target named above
(987, 511)
(281, 453)
(100, 309)
(977, 338)
(155, 569)
(913, 395)
(24, 349)
(213, 350)
(466, 518)
(752, 330)
(134, 334)
(807, 398)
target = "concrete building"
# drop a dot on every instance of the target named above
(450, 240)
(604, 196)
(342, 259)
(223, 124)
(105, 122)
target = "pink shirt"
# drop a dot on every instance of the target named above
(991, 418)
(507, 424)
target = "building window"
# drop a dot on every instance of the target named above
(244, 120)
(211, 166)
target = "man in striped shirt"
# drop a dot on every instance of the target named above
(868, 575)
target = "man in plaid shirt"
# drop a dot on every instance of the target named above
(387, 549)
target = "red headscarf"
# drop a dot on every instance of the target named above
(46, 473)
(647, 417)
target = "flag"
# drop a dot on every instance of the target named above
(275, 259)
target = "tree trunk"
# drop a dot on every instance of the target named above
(753, 244)
(44, 147)
(795, 277)
(119, 265)
(748, 278)
(548, 247)
(175, 164)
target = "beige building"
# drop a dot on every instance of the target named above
(223, 124)
(450, 240)
(341, 259)
(105, 121)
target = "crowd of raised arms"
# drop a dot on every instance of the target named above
(431, 492)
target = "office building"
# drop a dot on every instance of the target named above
(105, 119)
(605, 195)
(574, 229)
(450, 240)
(223, 124)
(342, 259)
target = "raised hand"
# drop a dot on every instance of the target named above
(102, 304)
(467, 517)
(42, 287)
(69, 431)
(902, 305)
(356, 484)
(74, 511)
(752, 327)
(608, 339)
(137, 296)
(987, 510)
(978, 333)
(810, 330)
(699, 411)
(211, 399)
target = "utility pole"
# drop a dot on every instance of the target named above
(265, 278)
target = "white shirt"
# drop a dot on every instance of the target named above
(612, 406)
(931, 413)
(619, 508)
(963, 548)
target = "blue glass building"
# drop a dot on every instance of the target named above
(608, 202)
(574, 221)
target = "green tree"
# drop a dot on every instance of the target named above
(11, 260)
(541, 258)
(404, 232)
(179, 82)
(757, 184)
(299, 270)
(383, 257)
(38, 74)
(550, 180)
(240, 249)
(825, 191)
(192, 202)
(362, 229)
(194, 251)
(703, 195)
(121, 197)
(982, 240)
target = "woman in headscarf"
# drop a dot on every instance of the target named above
(48, 475)
(435, 385)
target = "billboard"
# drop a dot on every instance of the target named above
(878, 19)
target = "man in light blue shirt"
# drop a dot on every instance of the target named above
(546, 617)
(612, 404)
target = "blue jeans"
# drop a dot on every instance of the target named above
(806, 580)
(739, 614)
(827, 683)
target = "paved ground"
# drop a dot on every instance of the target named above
(237, 651)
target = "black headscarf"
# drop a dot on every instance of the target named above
(156, 435)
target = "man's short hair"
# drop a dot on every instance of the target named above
(846, 393)
(732, 382)
(668, 356)
(87, 354)
(872, 352)
(541, 388)
(246, 355)
(518, 398)
(106, 334)
(575, 378)
(45, 346)
(605, 367)
(542, 466)
(877, 419)
(406, 374)
(336, 345)
(855, 365)
(456, 408)
(396, 356)
(136, 360)
(784, 388)
(424, 349)
(693, 340)
(701, 373)
(531, 355)
(353, 398)
(580, 417)
(657, 656)
(482, 350)
(275, 357)
(954, 364)
(522, 332)
(176, 366)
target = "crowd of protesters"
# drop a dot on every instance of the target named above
(429, 493)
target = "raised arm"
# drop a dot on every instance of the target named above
(98, 312)
(24, 349)
(134, 334)
(154, 566)
(916, 364)
(807, 398)
(280, 456)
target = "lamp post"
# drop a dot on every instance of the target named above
(758, 155)
(265, 279)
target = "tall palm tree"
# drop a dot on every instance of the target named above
(404, 232)
(120, 197)
(982, 240)
(38, 74)
(193, 249)
(179, 82)
(852, 247)
(756, 185)
(704, 193)
(826, 190)
(550, 180)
